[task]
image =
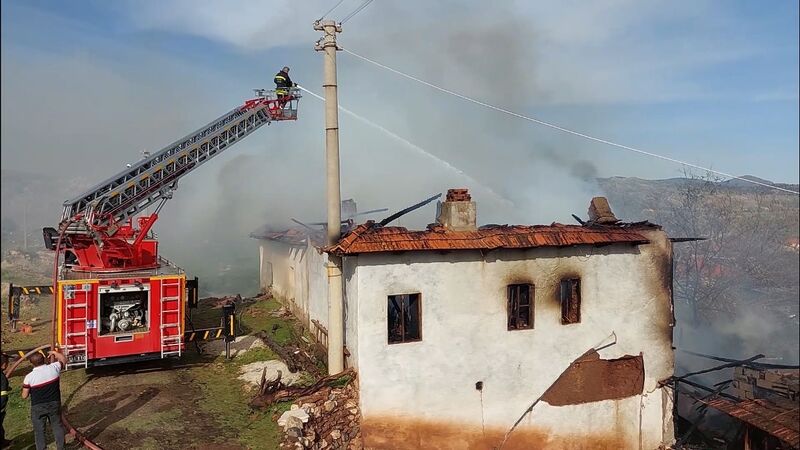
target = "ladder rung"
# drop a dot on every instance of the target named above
(76, 334)
(172, 337)
(76, 305)
(75, 319)
(169, 299)
(168, 325)
(75, 347)
(170, 311)
(173, 352)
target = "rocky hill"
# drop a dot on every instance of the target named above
(736, 291)
(31, 202)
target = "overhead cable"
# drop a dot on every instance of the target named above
(415, 147)
(356, 11)
(562, 129)
(331, 10)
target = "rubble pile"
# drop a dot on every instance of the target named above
(326, 419)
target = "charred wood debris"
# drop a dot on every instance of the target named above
(324, 414)
(763, 404)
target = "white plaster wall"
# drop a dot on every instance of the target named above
(351, 310)
(296, 274)
(276, 260)
(264, 270)
(317, 282)
(465, 340)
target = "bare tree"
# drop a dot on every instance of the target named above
(744, 259)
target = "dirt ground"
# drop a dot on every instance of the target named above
(196, 402)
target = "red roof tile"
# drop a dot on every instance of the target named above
(370, 238)
(781, 421)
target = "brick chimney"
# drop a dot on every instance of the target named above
(600, 211)
(458, 211)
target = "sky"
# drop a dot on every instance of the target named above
(87, 85)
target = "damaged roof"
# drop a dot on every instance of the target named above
(780, 421)
(372, 238)
(292, 236)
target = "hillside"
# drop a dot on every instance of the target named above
(632, 198)
(736, 291)
(32, 201)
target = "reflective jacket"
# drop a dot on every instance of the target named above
(282, 80)
(5, 389)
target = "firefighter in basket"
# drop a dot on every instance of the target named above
(283, 85)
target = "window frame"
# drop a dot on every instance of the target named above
(574, 286)
(509, 306)
(402, 315)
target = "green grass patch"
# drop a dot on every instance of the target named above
(39, 308)
(218, 397)
(150, 443)
(254, 355)
(341, 381)
(18, 413)
(227, 402)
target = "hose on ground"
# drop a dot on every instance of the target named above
(53, 341)
(72, 430)
(54, 315)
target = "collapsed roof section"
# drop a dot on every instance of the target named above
(778, 419)
(456, 229)
(370, 238)
(291, 236)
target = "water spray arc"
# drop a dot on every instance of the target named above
(417, 149)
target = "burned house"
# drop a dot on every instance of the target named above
(292, 268)
(757, 409)
(545, 336)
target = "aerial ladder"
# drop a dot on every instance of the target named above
(117, 299)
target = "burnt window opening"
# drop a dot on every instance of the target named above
(570, 301)
(404, 318)
(520, 306)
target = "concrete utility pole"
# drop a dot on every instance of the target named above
(335, 304)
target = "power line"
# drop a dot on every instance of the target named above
(415, 147)
(331, 10)
(562, 129)
(356, 11)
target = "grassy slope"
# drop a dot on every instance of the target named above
(197, 403)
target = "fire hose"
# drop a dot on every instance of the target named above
(72, 430)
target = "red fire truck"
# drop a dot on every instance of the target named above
(117, 299)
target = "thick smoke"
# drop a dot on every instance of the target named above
(88, 112)
(280, 175)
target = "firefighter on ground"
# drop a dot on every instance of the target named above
(283, 84)
(42, 386)
(5, 389)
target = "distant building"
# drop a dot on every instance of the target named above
(292, 268)
(457, 329)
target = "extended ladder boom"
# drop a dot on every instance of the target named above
(154, 178)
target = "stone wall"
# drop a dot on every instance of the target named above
(333, 422)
